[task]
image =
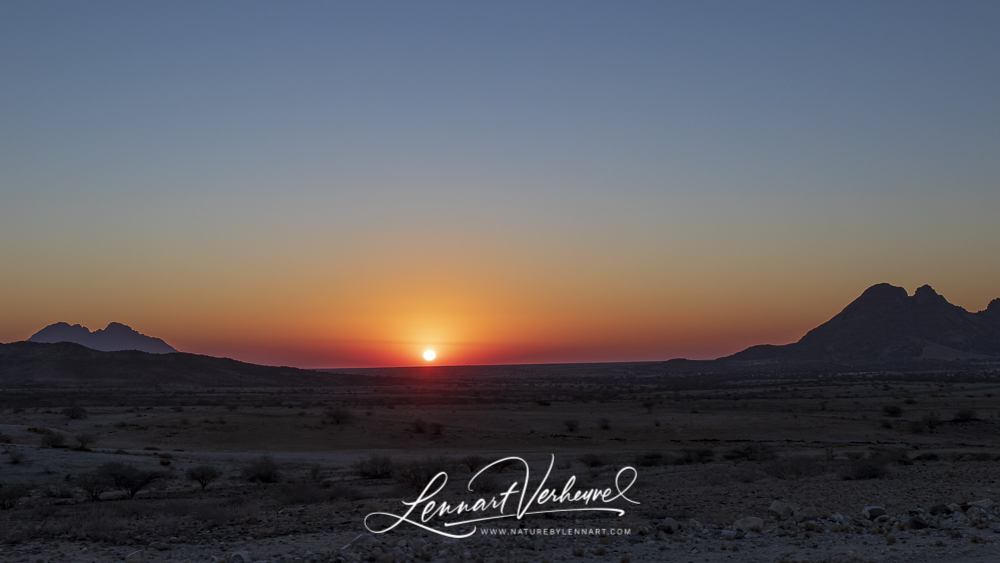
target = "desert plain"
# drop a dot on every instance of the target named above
(752, 466)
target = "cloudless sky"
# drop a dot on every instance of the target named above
(329, 184)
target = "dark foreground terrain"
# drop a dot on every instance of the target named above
(760, 465)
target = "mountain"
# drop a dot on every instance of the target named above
(887, 324)
(114, 338)
(65, 364)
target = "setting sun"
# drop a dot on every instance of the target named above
(429, 355)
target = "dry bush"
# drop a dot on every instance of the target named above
(338, 415)
(604, 424)
(5, 439)
(571, 425)
(128, 478)
(94, 484)
(649, 459)
(203, 475)
(751, 452)
(264, 469)
(871, 468)
(15, 456)
(965, 415)
(375, 466)
(10, 495)
(486, 483)
(52, 439)
(418, 426)
(592, 460)
(695, 455)
(473, 462)
(794, 467)
(341, 491)
(75, 412)
(891, 455)
(894, 411)
(84, 441)
(418, 473)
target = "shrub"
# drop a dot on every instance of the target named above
(418, 426)
(75, 412)
(918, 426)
(375, 466)
(751, 452)
(871, 468)
(473, 462)
(437, 428)
(698, 455)
(53, 439)
(264, 469)
(791, 468)
(338, 415)
(604, 423)
(94, 484)
(648, 459)
(128, 478)
(203, 475)
(418, 473)
(592, 460)
(10, 495)
(571, 425)
(5, 439)
(932, 420)
(84, 441)
(16, 456)
(965, 415)
(894, 411)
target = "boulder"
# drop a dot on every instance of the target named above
(873, 512)
(916, 523)
(669, 525)
(807, 513)
(749, 524)
(781, 510)
(984, 504)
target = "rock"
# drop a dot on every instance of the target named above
(669, 525)
(781, 510)
(807, 513)
(729, 535)
(695, 526)
(239, 557)
(873, 512)
(984, 504)
(749, 524)
(136, 557)
(977, 513)
(916, 523)
(387, 558)
(940, 509)
(955, 507)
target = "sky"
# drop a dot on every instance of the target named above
(345, 184)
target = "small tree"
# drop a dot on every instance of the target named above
(419, 426)
(128, 478)
(571, 425)
(53, 439)
(203, 474)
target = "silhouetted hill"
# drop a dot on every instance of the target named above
(886, 324)
(30, 364)
(111, 339)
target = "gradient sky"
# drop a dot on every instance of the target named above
(338, 184)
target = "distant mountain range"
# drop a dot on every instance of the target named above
(885, 324)
(114, 338)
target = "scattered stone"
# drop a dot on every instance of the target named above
(239, 557)
(781, 510)
(916, 523)
(669, 525)
(873, 512)
(749, 524)
(955, 507)
(136, 557)
(983, 504)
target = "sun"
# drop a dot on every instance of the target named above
(429, 355)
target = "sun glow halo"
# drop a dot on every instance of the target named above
(429, 355)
